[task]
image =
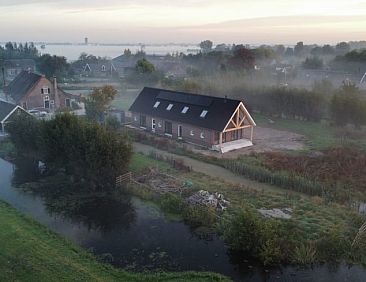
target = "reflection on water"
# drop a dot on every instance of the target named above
(136, 235)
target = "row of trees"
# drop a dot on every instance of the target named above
(91, 153)
(18, 51)
(299, 50)
(287, 102)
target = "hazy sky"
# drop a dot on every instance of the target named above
(122, 21)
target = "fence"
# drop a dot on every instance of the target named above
(123, 179)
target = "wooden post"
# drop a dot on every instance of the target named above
(251, 134)
(220, 139)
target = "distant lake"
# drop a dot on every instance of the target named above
(72, 52)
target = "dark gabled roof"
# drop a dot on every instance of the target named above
(5, 109)
(219, 110)
(20, 86)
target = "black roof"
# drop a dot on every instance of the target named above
(5, 109)
(22, 84)
(219, 110)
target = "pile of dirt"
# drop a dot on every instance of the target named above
(338, 164)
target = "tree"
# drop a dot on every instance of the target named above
(342, 48)
(316, 51)
(86, 150)
(127, 53)
(206, 46)
(328, 50)
(143, 66)
(289, 51)
(280, 50)
(98, 101)
(299, 49)
(242, 59)
(347, 106)
(312, 63)
(53, 66)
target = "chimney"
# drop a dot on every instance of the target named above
(55, 89)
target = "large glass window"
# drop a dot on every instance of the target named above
(168, 127)
(143, 120)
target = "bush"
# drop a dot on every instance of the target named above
(171, 203)
(333, 245)
(246, 231)
(199, 216)
(305, 254)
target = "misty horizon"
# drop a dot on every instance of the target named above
(163, 22)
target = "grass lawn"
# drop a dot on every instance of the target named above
(140, 162)
(319, 135)
(31, 252)
(122, 103)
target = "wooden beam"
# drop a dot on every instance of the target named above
(238, 128)
(251, 134)
(220, 138)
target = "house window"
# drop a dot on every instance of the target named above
(157, 103)
(103, 68)
(202, 135)
(192, 133)
(168, 128)
(45, 90)
(185, 110)
(68, 103)
(46, 100)
(142, 120)
(159, 124)
(203, 114)
(170, 106)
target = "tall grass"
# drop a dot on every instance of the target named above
(288, 181)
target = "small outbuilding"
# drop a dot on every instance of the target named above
(7, 111)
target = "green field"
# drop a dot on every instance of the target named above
(31, 252)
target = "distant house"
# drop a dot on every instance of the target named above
(217, 123)
(15, 66)
(31, 90)
(7, 111)
(104, 68)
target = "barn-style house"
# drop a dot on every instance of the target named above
(217, 123)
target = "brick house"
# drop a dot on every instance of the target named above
(31, 90)
(217, 123)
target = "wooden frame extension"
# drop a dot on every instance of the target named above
(240, 119)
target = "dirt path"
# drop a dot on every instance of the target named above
(210, 169)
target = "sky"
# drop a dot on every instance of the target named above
(183, 21)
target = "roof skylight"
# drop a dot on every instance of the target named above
(185, 110)
(203, 114)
